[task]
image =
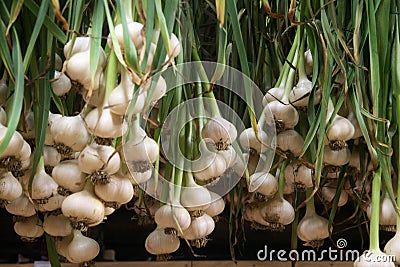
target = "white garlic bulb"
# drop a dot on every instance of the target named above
(309, 65)
(53, 203)
(159, 243)
(250, 141)
(10, 188)
(341, 129)
(263, 183)
(117, 191)
(336, 157)
(284, 114)
(277, 212)
(15, 144)
(62, 244)
(61, 84)
(209, 168)
(83, 207)
(57, 225)
(290, 141)
(392, 247)
(51, 157)
(299, 175)
(273, 94)
(103, 123)
(220, 131)
(217, 205)
(43, 186)
(82, 248)
(300, 94)
(3, 116)
(69, 134)
(81, 44)
(49, 137)
(69, 176)
(172, 216)
(21, 206)
(194, 197)
(199, 229)
(134, 30)
(100, 161)
(313, 229)
(387, 214)
(29, 228)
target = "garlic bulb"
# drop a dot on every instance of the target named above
(78, 64)
(62, 245)
(199, 229)
(263, 183)
(82, 248)
(273, 94)
(336, 157)
(29, 228)
(277, 212)
(103, 123)
(14, 146)
(3, 116)
(217, 205)
(172, 217)
(69, 176)
(392, 247)
(121, 96)
(83, 207)
(209, 168)
(159, 90)
(21, 206)
(340, 131)
(374, 258)
(51, 158)
(290, 141)
(100, 161)
(250, 141)
(70, 134)
(313, 229)
(10, 188)
(220, 131)
(328, 193)
(43, 186)
(387, 214)
(194, 197)
(140, 151)
(61, 84)
(117, 191)
(299, 96)
(57, 225)
(134, 30)
(284, 114)
(28, 129)
(49, 137)
(308, 62)
(160, 244)
(299, 175)
(53, 203)
(229, 155)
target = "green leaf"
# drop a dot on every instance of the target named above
(163, 27)
(18, 94)
(15, 10)
(95, 40)
(35, 33)
(50, 24)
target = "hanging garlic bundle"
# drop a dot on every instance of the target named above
(161, 244)
(250, 141)
(69, 135)
(83, 208)
(29, 228)
(57, 224)
(140, 152)
(12, 157)
(81, 248)
(69, 177)
(222, 132)
(312, 228)
(100, 162)
(276, 100)
(299, 176)
(263, 183)
(78, 63)
(299, 96)
(199, 229)
(173, 218)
